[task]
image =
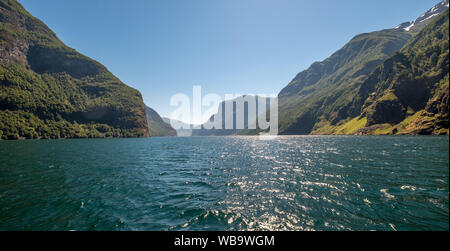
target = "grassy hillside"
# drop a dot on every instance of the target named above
(48, 90)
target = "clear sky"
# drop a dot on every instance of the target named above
(164, 47)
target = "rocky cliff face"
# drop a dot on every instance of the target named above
(48, 90)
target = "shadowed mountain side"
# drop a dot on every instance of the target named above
(48, 90)
(317, 95)
(156, 125)
(323, 98)
(408, 93)
(241, 121)
(183, 129)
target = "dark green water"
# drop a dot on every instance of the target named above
(226, 183)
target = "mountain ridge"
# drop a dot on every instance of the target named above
(240, 106)
(319, 99)
(412, 86)
(184, 129)
(49, 90)
(424, 19)
(157, 126)
(328, 84)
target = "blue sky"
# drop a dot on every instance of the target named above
(164, 47)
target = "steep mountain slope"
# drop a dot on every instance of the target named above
(156, 126)
(315, 95)
(48, 90)
(408, 93)
(323, 96)
(422, 21)
(240, 106)
(181, 131)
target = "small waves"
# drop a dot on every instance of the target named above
(226, 183)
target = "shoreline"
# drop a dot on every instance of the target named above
(238, 136)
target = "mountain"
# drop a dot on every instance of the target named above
(315, 95)
(408, 93)
(240, 106)
(181, 132)
(48, 90)
(323, 97)
(157, 127)
(426, 18)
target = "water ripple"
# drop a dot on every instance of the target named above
(226, 183)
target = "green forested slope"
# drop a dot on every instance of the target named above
(408, 93)
(315, 96)
(388, 82)
(157, 126)
(48, 90)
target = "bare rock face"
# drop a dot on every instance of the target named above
(12, 49)
(388, 111)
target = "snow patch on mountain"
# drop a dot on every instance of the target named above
(426, 17)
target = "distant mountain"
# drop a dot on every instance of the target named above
(426, 18)
(48, 90)
(181, 131)
(156, 125)
(316, 95)
(239, 108)
(327, 95)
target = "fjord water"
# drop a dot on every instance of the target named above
(226, 183)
